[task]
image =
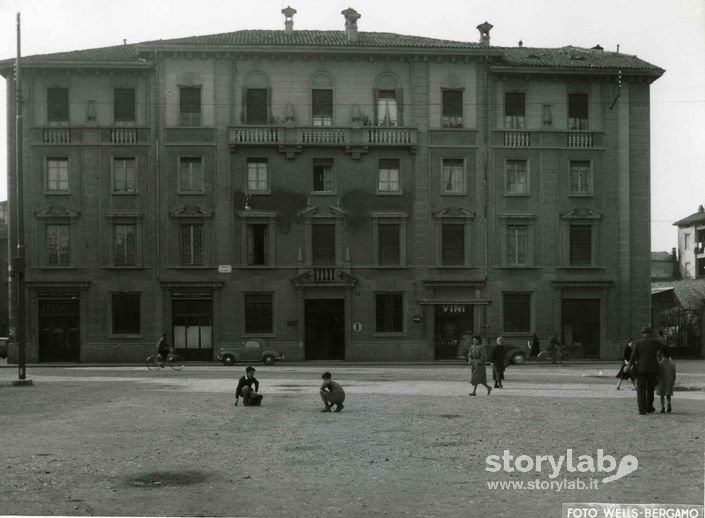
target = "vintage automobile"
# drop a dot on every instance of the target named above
(251, 350)
(514, 353)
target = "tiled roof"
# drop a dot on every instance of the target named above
(574, 57)
(564, 57)
(690, 292)
(693, 219)
(318, 39)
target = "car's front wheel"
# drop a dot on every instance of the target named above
(518, 358)
(268, 359)
(228, 359)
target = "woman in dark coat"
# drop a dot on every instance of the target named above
(477, 359)
(623, 373)
(498, 364)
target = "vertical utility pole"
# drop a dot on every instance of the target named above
(18, 260)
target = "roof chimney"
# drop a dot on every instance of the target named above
(351, 17)
(289, 13)
(485, 29)
(700, 208)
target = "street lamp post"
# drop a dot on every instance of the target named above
(18, 259)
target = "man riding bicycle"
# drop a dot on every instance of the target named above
(163, 349)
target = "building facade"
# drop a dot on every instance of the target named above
(691, 245)
(346, 195)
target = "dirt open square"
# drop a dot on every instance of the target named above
(122, 441)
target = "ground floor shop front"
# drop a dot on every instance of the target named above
(343, 319)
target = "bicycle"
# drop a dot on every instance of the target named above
(563, 354)
(155, 362)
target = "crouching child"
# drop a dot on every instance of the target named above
(244, 389)
(331, 394)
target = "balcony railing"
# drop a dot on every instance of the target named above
(517, 138)
(255, 135)
(56, 136)
(123, 136)
(322, 136)
(580, 139)
(318, 136)
(324, 274)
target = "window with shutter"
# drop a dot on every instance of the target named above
(580, 245)
(58, 104)
(124, 105)
(190, 105)
(322, 107)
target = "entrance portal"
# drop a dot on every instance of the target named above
(450, 322)
(193, 328)
(581, 326)
(325, 329)
(59, 337)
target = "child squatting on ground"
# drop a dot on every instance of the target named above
(331, 393)
(667, 378)
(244, 389)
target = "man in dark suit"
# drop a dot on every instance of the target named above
(644, 364)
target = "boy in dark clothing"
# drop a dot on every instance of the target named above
(331, 393)
(244, 389)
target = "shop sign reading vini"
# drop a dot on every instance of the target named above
(453, 308)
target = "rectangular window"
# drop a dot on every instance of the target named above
(452, 109)
(256, 106)
(258, 313)
(58, 244)
(453, 176)
(190, 174)
(124, 175)
(389, 313)
(452, 244)
(57, 174)
(517, 312)
(686, 241)
(514, 110)
(190, 105)
(258, 244)
(388, 176)
(577, 111)
(323, 179)
(125, 244)
(517, 177)
(323, 244)
(387, 108)
(517, 245)
(126, 313)
(388, 248)
(191, 246)
(124, 104)
(257, 175)
(322, 107)
(57, 104)
(580, 177)
(580, 245)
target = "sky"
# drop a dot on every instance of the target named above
(669, 34)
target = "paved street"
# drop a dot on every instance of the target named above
(119, 440)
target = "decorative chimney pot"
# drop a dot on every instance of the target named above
(485, 29)
(351, 18)
(289, 13)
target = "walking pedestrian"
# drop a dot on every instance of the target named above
(498, 362)
(477, 359)
(644, 362)
(667, 378)
(244, 389)
(535, 347)
(624, 373)
(554, 346)
(331, 393)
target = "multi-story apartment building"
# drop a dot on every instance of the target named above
(691, 245)
(343, 194)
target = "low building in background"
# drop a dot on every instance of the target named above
(691, 245)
